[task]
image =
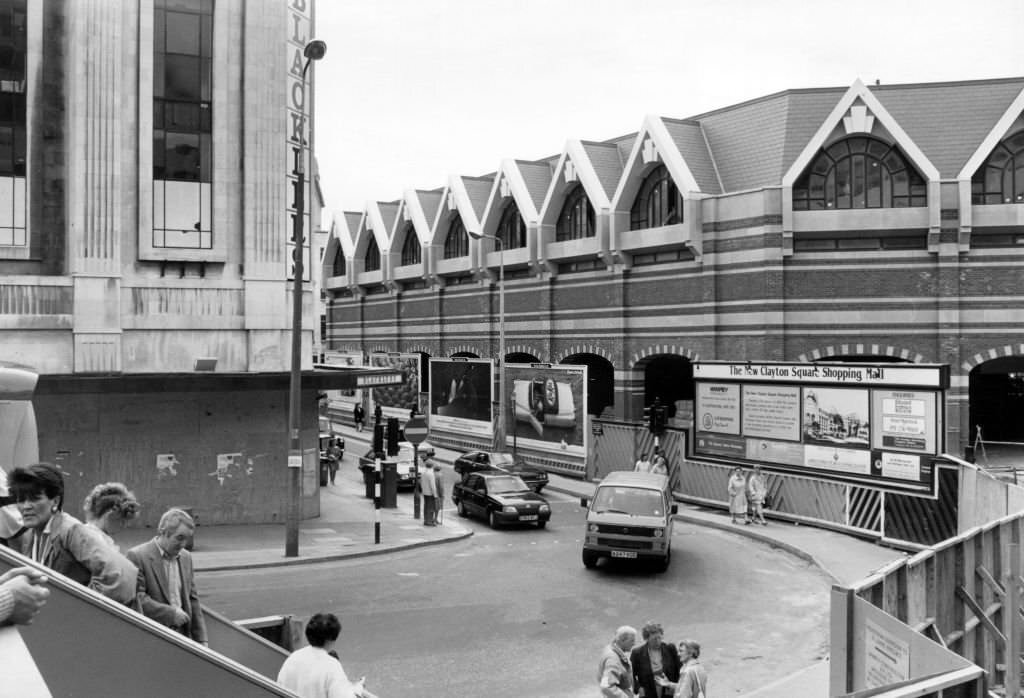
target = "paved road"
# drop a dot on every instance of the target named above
(513, 612)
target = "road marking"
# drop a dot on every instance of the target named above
(318, 531)
(408, 574)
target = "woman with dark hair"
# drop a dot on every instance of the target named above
(62, 542)
(109, 507)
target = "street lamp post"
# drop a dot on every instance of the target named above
(313, 51)
(500, 436)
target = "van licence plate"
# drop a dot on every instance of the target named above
(624, 553)
(528, 517)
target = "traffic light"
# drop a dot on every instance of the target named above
(378, 438)
(660, 418)
(649, 419)
(392, 436)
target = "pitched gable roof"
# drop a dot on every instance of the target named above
(692, 146)
(608, 162)
(478, 189)
(537, 178)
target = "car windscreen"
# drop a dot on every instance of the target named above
(634, 501)
(506, 484)
(501, 459)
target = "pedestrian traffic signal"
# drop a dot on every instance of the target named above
(649, 418)
(378, 438)
(393, 436)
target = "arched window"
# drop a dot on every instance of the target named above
(338, 263)
(372, 255)
(412, 253)
(576, 221)
(859, 172)
(457, 242)
(657, 203)
(1001, 179)
(512, 228)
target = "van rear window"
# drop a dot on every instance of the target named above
(628, 500)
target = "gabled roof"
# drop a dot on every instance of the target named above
(1010, 116)
(652, 143)
(457, 198)
(509, 182)
(608, 161)
(688, 137)
(414, 209)
(389, 214)
(478, 189)
(578, 155)
(537, 178)
(430, 201)
(342, 227)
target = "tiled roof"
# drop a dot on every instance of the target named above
(479, 190)
(430, 201)
(608, 163)
(926, 112)
(690, 142)
(537, 177)
(352, 221)
(388, 212)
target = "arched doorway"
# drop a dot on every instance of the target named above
(600, 381)
(996, 396)
(670, 378)
(864, 359)
(464, 355)
(521, 357)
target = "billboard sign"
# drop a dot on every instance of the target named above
(461, 396)
(876, 425)
(547, 407)
(348, 359)
(396, 400)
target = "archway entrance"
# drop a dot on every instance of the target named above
(600, 381)
(519, 357)
(996, 396)
(669, 377)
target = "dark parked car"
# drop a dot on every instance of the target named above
(500, 498)
(478, 461)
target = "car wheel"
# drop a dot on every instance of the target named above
(542, 524)
(492, 520)
(589, 559)
(461, 508)
(665, 562)
(539, 488)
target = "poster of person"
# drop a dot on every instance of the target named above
(397, 400)
(836, 416)
(461, 393)
(547, 407)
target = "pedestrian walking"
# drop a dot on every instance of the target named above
(655, 663)
(167, 584)
(643, 464)
(358, 416)
(334, 455)
(614, 674)
(659, 466)
(438, 495)
(315, 671)
(757, 490)
(108, 508)
(737, 490)
(428, 486)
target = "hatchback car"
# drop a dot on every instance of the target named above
(478, 461)
(500, 499)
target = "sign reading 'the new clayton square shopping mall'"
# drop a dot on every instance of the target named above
(876, 425)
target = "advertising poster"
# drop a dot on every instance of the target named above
(836, 416)
(397, 400)
(906, 420)
(340, 358)
(839, 460)
(547, 407)
(461, 395)
(718, 408)
(771, 412)
(781, 452)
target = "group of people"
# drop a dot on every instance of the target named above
(432, 488)
(653, 669)
(155, 578)
(656, 464)
(747, 495)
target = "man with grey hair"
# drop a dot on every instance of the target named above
(614, 674)
(167, 588)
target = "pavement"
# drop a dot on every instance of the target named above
(345, 529)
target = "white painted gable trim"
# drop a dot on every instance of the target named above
(585, 175)
(413, 210)
(681, 174)
(380, 233)
(509, 172)
(456, 191)
(992, 139)
(339, 229)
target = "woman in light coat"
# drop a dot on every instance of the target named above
(738, 495)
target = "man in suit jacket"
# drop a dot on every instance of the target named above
(167, 588)
(653, 658)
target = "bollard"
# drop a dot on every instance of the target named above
(376, 501)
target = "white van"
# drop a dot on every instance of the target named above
(630, 518)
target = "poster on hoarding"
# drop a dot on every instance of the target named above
(906, 420)
(547, 406)
(350, 359)
(836, 416)
(461, 393)
(771, 412)
(718, 408)
(397, 400)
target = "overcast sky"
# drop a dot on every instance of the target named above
(411, 91)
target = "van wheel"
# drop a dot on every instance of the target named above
(589, 559)
(665, 562)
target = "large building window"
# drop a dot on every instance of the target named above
(859, 172)
(576, 221)
(657, 203)
(13, 133)
(512, 228)
(1001, 179)
(182, 124)
(412, 253)
(372, 256)
(456, 244)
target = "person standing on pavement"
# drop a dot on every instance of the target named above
(314, 670)
(757, 489)
(693, 679)
(654, 661)
(358, 416)
(166, 581)
(737, 491)
(614, 674)
(428, 486)
(438, 494)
